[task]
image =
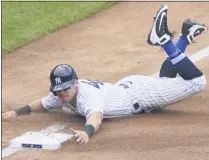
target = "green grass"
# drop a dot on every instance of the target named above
(23, 22)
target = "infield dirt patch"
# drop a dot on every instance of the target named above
(106, 47)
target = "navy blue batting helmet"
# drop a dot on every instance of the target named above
(62, 77)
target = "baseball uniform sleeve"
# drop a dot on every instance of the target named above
(92, 99)
(94, 105)
(51, 101)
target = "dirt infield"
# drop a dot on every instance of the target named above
(108, 46)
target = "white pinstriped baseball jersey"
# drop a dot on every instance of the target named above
(129, 95)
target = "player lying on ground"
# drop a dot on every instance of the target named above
(134, 94)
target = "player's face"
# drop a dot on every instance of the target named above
(67, 95)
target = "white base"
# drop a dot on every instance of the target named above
(51, 141)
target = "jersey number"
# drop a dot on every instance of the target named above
(93, 83)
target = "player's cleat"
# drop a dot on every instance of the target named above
(159, 34)
(191, 29)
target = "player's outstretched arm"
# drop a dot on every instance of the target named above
(92, 125)
(34, 106)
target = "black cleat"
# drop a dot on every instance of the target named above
(159, 34)
(191, 29)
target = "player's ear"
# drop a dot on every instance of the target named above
(76, 83)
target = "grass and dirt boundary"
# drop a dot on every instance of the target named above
(23, 22)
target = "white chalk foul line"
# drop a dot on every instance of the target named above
(200, 55)
(56, 127)
(53, 128)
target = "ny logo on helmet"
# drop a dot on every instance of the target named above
(58, 80)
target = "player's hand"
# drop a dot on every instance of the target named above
(81, 136)
(9, 115)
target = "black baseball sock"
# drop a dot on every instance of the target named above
(168, 69)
